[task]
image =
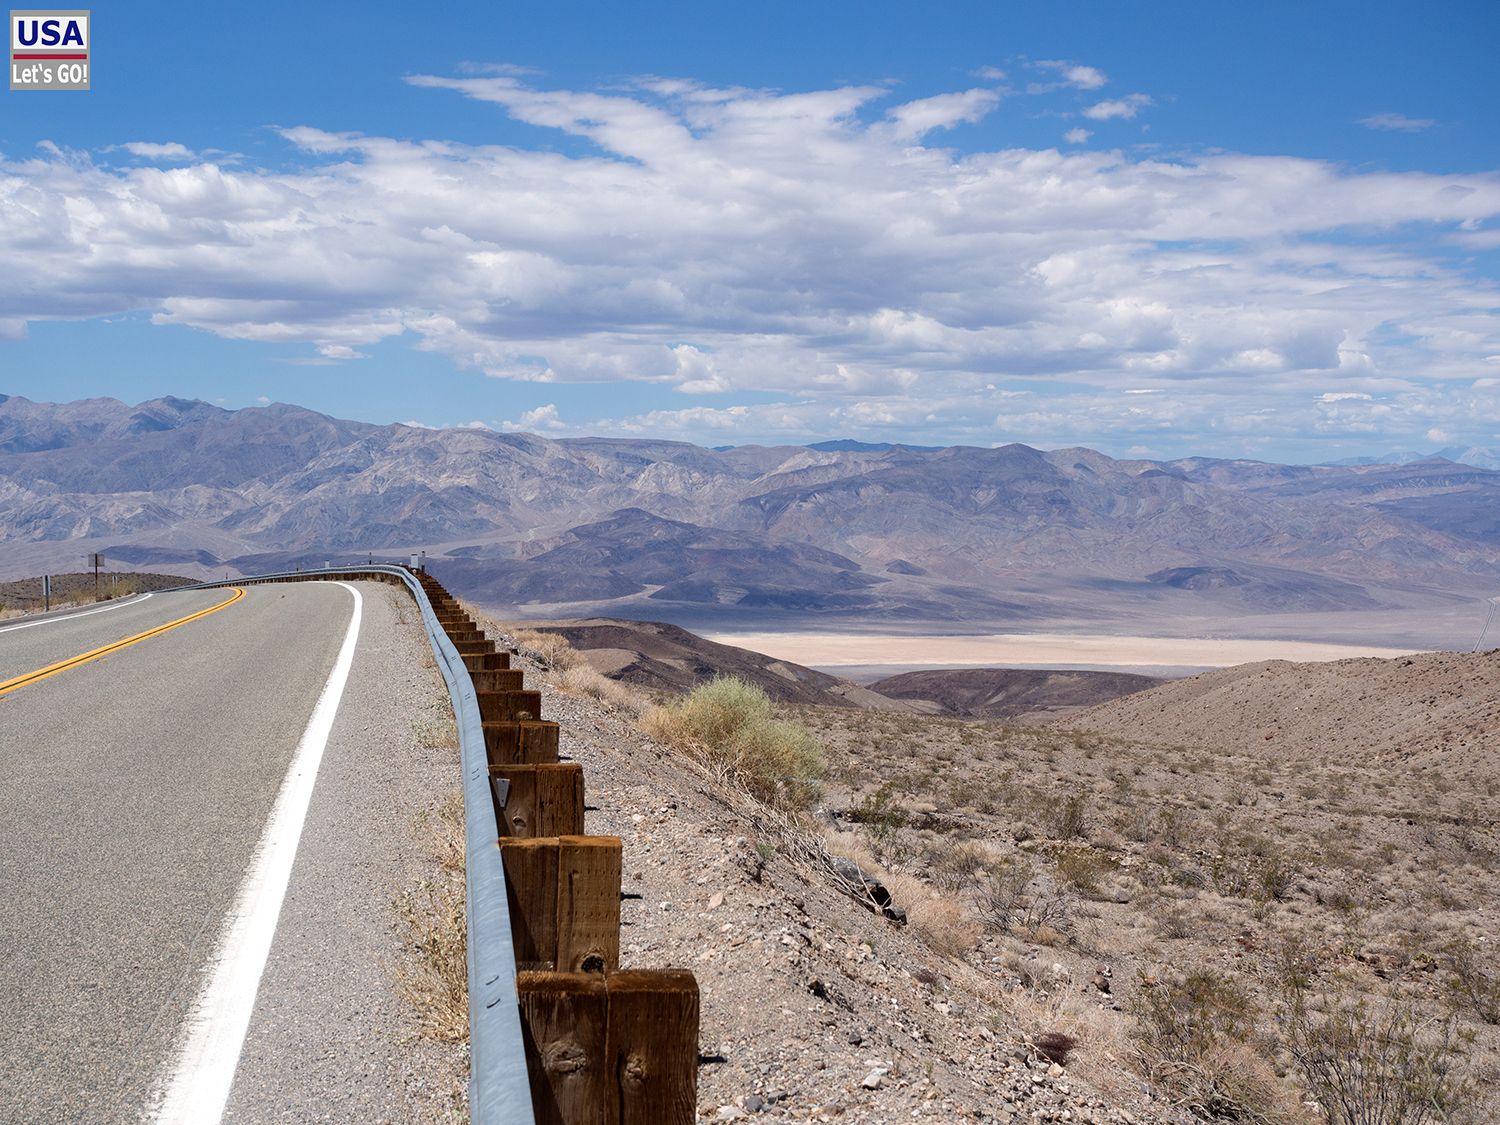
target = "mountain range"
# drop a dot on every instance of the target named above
(845, 533)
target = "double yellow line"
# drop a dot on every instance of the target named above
(84, 658)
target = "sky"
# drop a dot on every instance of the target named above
(1156, 229)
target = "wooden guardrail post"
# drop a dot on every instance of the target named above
(621, 1049)
(521, 742)
(564, 896)
(543, 799)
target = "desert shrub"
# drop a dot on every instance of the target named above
(1174, 924)
(1080, 869)
(1276, 876)
(1367, 1064)
(955, 865)
(1011, 898)
(1230, 874)
(1071, 822)
(881, 812)
(1192, 1036)
(730, 725)
(550, 650)
(1475, 984)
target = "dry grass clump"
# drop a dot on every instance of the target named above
(940, 920)
(550, 650)
(435, 978)
(583, 680)
(730, 725)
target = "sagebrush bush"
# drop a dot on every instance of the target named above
(1376, 1064)
(1475, 985)
(731, 725)
(1193, 1037)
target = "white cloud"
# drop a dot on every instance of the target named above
(1075, 75)
(914, 119)
(1126, 107)
(805, 246)
(1077, 136)
(147, 150)
(1396, 122)
(990, 74)
(1344, 396)
(541, 418)
(339, 351)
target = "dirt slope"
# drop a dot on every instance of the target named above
(1439, 710)
(652, 654)
(1008, 693)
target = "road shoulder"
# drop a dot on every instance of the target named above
(332, 1038)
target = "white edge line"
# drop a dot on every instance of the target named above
(75, 616)
(199, 1087)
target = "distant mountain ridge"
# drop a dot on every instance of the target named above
(1475, 455)
(998, 538)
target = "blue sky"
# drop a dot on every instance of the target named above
(1268, 230)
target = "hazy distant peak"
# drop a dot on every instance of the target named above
(850, 445)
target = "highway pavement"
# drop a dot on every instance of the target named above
(135, 789)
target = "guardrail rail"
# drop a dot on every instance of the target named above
(559, 1034)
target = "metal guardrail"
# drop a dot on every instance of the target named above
(499, 1089)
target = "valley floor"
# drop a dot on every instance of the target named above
(1052, 650)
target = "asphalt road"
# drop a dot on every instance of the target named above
(133, 791)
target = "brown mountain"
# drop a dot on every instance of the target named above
(1438, 710)
(662, 657)
(1008, 693)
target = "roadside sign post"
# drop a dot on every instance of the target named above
(46, 593)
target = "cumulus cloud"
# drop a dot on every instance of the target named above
(914, 119)
(148, 150)
(1077, 136)
(1396, 122)
(1075, 75)
(823, 247)
(541, 418)
(1126, 107)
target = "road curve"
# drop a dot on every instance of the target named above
(133, 791)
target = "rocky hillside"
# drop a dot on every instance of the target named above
(1437, 710)
(1008, 693)
(661, 657)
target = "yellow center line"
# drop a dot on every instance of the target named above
(84, 658)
